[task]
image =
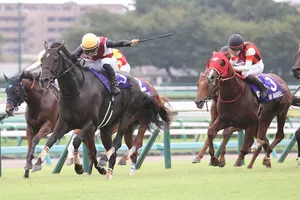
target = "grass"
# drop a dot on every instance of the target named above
(152, 181)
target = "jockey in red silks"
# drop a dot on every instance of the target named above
(252, 61)
(100, 49)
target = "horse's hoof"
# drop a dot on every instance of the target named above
(26, 174)
(78, 169)
(28, 166)
(37, 166)
(222, 164)
(102, 163)
(267, 163)
(101, 170)
(109, 177)
(249, 166)
(237, 164)
(122, 162)
(214, 161)
(70, 161)
(196, 160)
(131, 172)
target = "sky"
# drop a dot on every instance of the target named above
(63, 1)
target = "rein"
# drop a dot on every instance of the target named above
(233, 100)
(57, 74)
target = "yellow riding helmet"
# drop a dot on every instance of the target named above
(89, 41)
(40, 56)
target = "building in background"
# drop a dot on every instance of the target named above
(41, 22)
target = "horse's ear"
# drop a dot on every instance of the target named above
(21, 76)
(6, 79)
(46, 45)
(61, 46)
(222, 62)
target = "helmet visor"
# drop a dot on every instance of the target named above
(91, 52)
(235, 48)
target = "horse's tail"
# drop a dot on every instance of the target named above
(165, 113)
(148, 113)
(296, 101)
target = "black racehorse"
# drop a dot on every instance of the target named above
(87, 104)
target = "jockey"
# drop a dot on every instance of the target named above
(250, 55)
(224, 49)
(36, 67)
(123, 65)
(100, 48)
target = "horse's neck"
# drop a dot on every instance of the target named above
(33, 92)
(69, 83)
(231, 89)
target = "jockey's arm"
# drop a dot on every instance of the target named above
(120, 43)
(76, 54)
(249, 57)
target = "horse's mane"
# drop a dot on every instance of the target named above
(63, 49)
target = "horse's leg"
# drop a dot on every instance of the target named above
(92, 152)
(29, 133)
(211, 133)
(77, 161)
(132, 146)
(278, 137)
(248, 141)
(70, 158)
(111, 153)
(106, 140)
(43, 132)
(214, 115)
(128, 136)
(262, 130)
(201, 153)
(297, 135)
(226, 133)
(61, 128)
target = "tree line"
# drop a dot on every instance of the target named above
(199, 27)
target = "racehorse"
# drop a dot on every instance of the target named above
(230, 107)
(86, 103)
(164, 112)
(296, 73)
(41, 111)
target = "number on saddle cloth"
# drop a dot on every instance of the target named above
(275, 91)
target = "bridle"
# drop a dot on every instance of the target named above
(16, 103)
(219, 79)
(57, 74)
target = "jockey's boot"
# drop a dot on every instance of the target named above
(112, 79)
(262, 88)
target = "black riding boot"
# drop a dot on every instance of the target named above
(263, 90)
(112, 79)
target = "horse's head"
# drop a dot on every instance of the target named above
(52, 63)
(296, 67)
(15, 93)
(205, 91)
(217, 68)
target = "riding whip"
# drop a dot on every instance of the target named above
(153, 38)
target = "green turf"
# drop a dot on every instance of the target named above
(152, 181)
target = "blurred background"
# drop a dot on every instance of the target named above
(199, 27)
(172, 64)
